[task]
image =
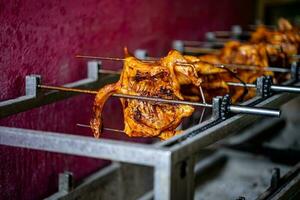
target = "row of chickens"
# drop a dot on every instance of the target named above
(179, 77)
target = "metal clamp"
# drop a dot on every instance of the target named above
(220, 106)
(225, 103)
(263, 86)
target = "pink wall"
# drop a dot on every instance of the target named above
(42, 37)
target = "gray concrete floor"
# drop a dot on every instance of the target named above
(239, 174)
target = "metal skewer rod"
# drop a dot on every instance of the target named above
(241, 66)
(111, 58)
(100, 58)
(195, 43)
(233, 108)
(127, 96)
(241, 85)
(201, 50)
(107, 71)
(108, 129)
(255, 67)
(275, 88)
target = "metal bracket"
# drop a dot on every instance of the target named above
(65, 182)
(236, 31)
(295, 71)
(93, 69)
(226, 101)
(275, 179)
(263, 86)
(31, 83)
(178, 45)
(220, 107)
(216, 107)
(141, 54)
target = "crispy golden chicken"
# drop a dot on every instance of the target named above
(244, 54)
(280, 44)
(158, 79)
(212, 82)
(214, 78)
(286, 33)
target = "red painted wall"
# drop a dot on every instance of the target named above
(42, 37)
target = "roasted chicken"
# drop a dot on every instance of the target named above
(215, 78)
(157, 79)
(212, 82)
(178, 77)
(280, 44)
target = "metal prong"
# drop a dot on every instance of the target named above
(203, 101)
(241, 66)
(110, 58)
(107, 71)
(127, 96)
(241, 84)
(100, 58)
(107, 129)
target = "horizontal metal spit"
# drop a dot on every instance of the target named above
(231, 108)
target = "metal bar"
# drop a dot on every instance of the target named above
(82, 146)
(107, 129)
(255, 111)
(163, 181)
(280, 88)
(200, 50)
(107, 71)
(198, 43)
(112, 58)
(100, 58)
(254, 67)
(232, 108)
(163, 100)
(241, 84)
(127, 96)
(275, 88)
(240, 66)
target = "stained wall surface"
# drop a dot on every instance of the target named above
(42, 37)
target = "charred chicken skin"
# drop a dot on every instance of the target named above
(157, 79)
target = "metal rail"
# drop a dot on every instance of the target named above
(34, 98)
